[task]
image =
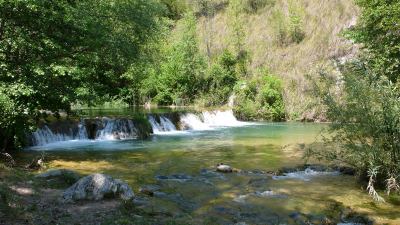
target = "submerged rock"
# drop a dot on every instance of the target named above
(211, 174)
(257, 182)
(60, 173)
(224, 168)
(176, 198)
(149, 189)
(174, 177)
(96, 187)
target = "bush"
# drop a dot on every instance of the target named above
(253, 6)
(220, 80)
(289, 29)
(260, 99)
(365, 127)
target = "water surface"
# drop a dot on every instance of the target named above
(248, 147)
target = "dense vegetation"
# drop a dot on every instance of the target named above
(172, 52)
(56, 53)
(364, 104)
(87, 52)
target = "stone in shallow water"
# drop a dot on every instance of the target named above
(149, 189)
(96, 187)
(224, 168)
(174, 177)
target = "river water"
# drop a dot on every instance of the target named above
(182, 163)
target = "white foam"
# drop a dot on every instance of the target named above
(164, 125)
(305, 175)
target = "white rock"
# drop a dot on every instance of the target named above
(224, 168)
(95, 187)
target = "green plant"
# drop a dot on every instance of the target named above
(220, 80)
(253, 6)
(378, 32)
(365, 127)
(182, 69)
(260, 99)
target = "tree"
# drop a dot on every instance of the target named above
(365, 128)
(183, 67)
(378, 30)
(55, 53)
(238, 36)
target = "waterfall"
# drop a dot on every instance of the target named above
(221, 119)
(210, 120)
(191, 121)
(45, 135)
(109, 129)
(115, 129)
(164, 124)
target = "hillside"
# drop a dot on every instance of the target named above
(266, 29)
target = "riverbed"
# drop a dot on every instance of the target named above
(181, 163)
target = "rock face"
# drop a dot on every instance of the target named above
(96, 187)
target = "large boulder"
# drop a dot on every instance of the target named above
(96, 187)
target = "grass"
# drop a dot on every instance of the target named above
(322, 22)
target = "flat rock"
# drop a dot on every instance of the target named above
(96, 187)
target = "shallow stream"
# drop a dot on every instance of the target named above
(182, 164)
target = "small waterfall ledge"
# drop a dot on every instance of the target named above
(125, 128)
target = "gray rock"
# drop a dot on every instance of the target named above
(95, 187)
(59, 173)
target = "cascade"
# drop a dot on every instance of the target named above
(164, 125)
(45, 135)
(115, 129)
(109, 129)
(210, 120)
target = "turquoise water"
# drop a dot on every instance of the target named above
(247, 147)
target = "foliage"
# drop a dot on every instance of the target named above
(260, 99)
(378, 32)
(55, 53)
(289, 29)
(175, 8)
(253, 6)
(365, 124)
(365, 116)
(182, 70)
(238, 36)
(220, 80)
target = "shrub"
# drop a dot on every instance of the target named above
(253, 6)
(220, 80)
(289, 29)
(365, 127)
(260, 99)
